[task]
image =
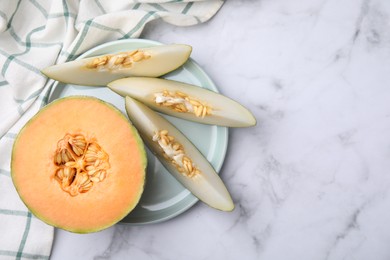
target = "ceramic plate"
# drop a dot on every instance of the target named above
(164, 197)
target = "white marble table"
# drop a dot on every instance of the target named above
(312, 179)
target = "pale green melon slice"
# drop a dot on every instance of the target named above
(100, 70)
(185, 101)
(171, 147)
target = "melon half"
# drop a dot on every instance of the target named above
(79, 164)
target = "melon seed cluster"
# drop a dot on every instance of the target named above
(117, 61)
(80, 162)
(174, 152)
(183, 103)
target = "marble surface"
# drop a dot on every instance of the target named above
(311, 180)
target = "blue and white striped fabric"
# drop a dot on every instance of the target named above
(38, 33)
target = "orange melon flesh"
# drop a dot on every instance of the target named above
(33, 169)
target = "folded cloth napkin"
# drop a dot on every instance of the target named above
(38, 33)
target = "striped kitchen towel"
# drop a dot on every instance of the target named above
(38, 33)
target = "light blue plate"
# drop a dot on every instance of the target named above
(164, 197)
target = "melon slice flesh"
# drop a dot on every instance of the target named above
(179, 156)
(79, 164)
(100, 70)
(185, 101)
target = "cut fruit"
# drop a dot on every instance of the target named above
(179, 156)
(184, 101)
(79, 164)
(100, 70)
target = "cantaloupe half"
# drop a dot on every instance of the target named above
(100, 70)
(79, 164)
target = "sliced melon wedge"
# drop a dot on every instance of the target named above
(100, 70)
(185, 101)
(179, 156)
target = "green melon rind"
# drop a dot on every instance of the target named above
(139, 141)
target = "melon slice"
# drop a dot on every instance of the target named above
(100, 70)
(79, 164)
(179, 156)
(185, 101)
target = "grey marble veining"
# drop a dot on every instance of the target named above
(311, 180)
